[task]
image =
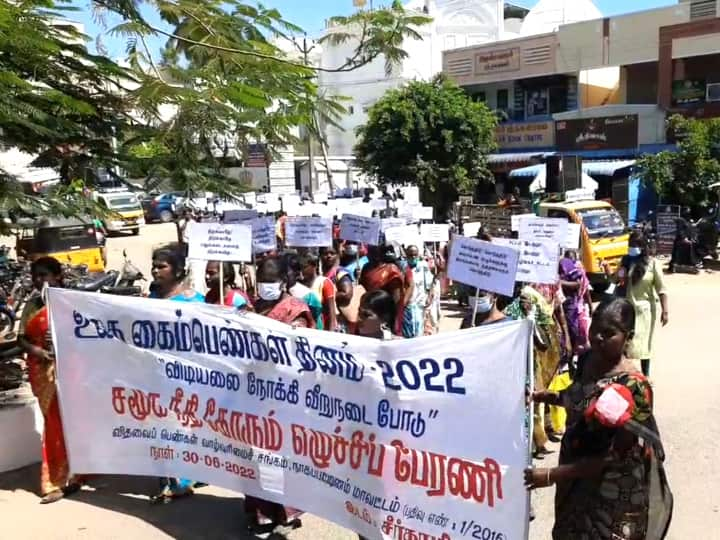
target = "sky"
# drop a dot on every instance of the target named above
(311, 14)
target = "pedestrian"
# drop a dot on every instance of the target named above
(276, 303)
(383, 272)
(352, 261)
(101, 235)
(231, 295)
(610, 480)
(577, 305)
(343, 283)
(169, 283)
(484, 306)
(35, 339)
(322, 286)
(418, 294)
(297, 289)
(376, 316)
(641, 280)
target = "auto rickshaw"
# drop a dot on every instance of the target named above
(69, 240)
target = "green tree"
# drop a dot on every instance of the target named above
(684, 177)
(430, 134)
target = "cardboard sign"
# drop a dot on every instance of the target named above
(263, 234)
(407, 235)
(539, 259)
(319, 198)
(423, 213)
(470, 230)
(435, 232)
(517, 218)
(360, 229)
(220, 242)
(411, 194)
(572, 240)
(388, 223)
(542, 228)
(489, 267)
(238, 216)
(308, 232)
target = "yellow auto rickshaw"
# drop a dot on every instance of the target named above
(69, 240)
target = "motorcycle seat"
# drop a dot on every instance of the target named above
(95, 282)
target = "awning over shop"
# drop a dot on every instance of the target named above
(601, 168)
(516, 157)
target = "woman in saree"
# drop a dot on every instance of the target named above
(578, 304)
(383, 273)
(169, 283)
(35, 339)
(231, 295)
(610, 480)
(275, 302)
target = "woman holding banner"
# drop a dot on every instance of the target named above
(610, 481)
(34, 338)
(168, 273)
(275, 303)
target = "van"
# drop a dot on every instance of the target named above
(603, 236)
(126, 212)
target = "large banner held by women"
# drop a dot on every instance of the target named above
(425, 438)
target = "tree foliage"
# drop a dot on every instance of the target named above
(684, 177)
(430, 134)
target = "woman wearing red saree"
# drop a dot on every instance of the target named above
(382, 273)
(35, 339)
(275, 302)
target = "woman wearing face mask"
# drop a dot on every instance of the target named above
(484, 305)
(641, 280)
(352, 260)
(168, 273)
(419, 298)
(297, 289)
(611, 454)
(275, 302)
(231, 295)
(34, 337)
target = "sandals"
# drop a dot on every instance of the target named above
(56, 495)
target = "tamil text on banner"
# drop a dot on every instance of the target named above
(308, 232)
(543, 228)
(363, 230)
(435, 232)
(539, 259)
(263, 234)
(489, 267)
(373, 435)
(407, 235)
(220, 242)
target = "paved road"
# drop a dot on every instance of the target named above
(685, 375)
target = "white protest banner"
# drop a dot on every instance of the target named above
(238, 216)
(308, 232)
(360, 229)
(435, 232)
(407, 235)
(539, 259)
(388, 223)
(471, 229)
(515, 220)
(298, 416)
(572, 240)
(543, 228)
(263, 234)
(220, 242)
(487, 266)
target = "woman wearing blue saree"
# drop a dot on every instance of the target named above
(168, 273)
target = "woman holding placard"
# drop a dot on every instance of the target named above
(610, 481)
(231, 295)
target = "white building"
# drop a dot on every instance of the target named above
(456, 23)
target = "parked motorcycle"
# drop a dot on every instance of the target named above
(120, 283)
(706, 237)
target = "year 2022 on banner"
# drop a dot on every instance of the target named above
(423, 437)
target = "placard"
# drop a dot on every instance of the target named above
(489, 267)
(421, 213)
(388, 223)
(411, 194)
(515, 220)
(471, 230)
(435, 232)
(319, 198)
(572, 240)
(220, 242)
(407, 235)
(301, 417)
(543, 228)
(238, 216)
(263, 234)
(539, 259)
(308, 232)
(360, 229)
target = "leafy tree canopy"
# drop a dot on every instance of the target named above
(430, 134)
(684, 177)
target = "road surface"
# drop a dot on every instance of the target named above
(685, 374)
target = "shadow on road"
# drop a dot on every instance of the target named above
(200, 516)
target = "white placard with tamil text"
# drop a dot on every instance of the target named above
(308, 232)
(471, 230)
(517, 218)
(543, 228)
(420, 213)
(239, 401)
(487, 266)
(239, 215)
(435, 232)
(388, 223)
(572, 240)
(407, 235)
(220, 242)
(539, 259)
(263, 231)
(360, 229)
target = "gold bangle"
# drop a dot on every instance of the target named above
(548, 477)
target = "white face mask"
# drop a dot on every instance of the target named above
(482, 305)
(269, 291)
(635, 251)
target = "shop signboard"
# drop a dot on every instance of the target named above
(497, 61)
(601, 133)
(525, 135)
(688, 92)
(666, 219)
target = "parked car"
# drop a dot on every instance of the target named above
(162, 207)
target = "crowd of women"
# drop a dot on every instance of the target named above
(611, 455)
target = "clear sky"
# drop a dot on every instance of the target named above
(311, 14)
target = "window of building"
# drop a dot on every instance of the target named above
(503, 99)
(479, 97)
